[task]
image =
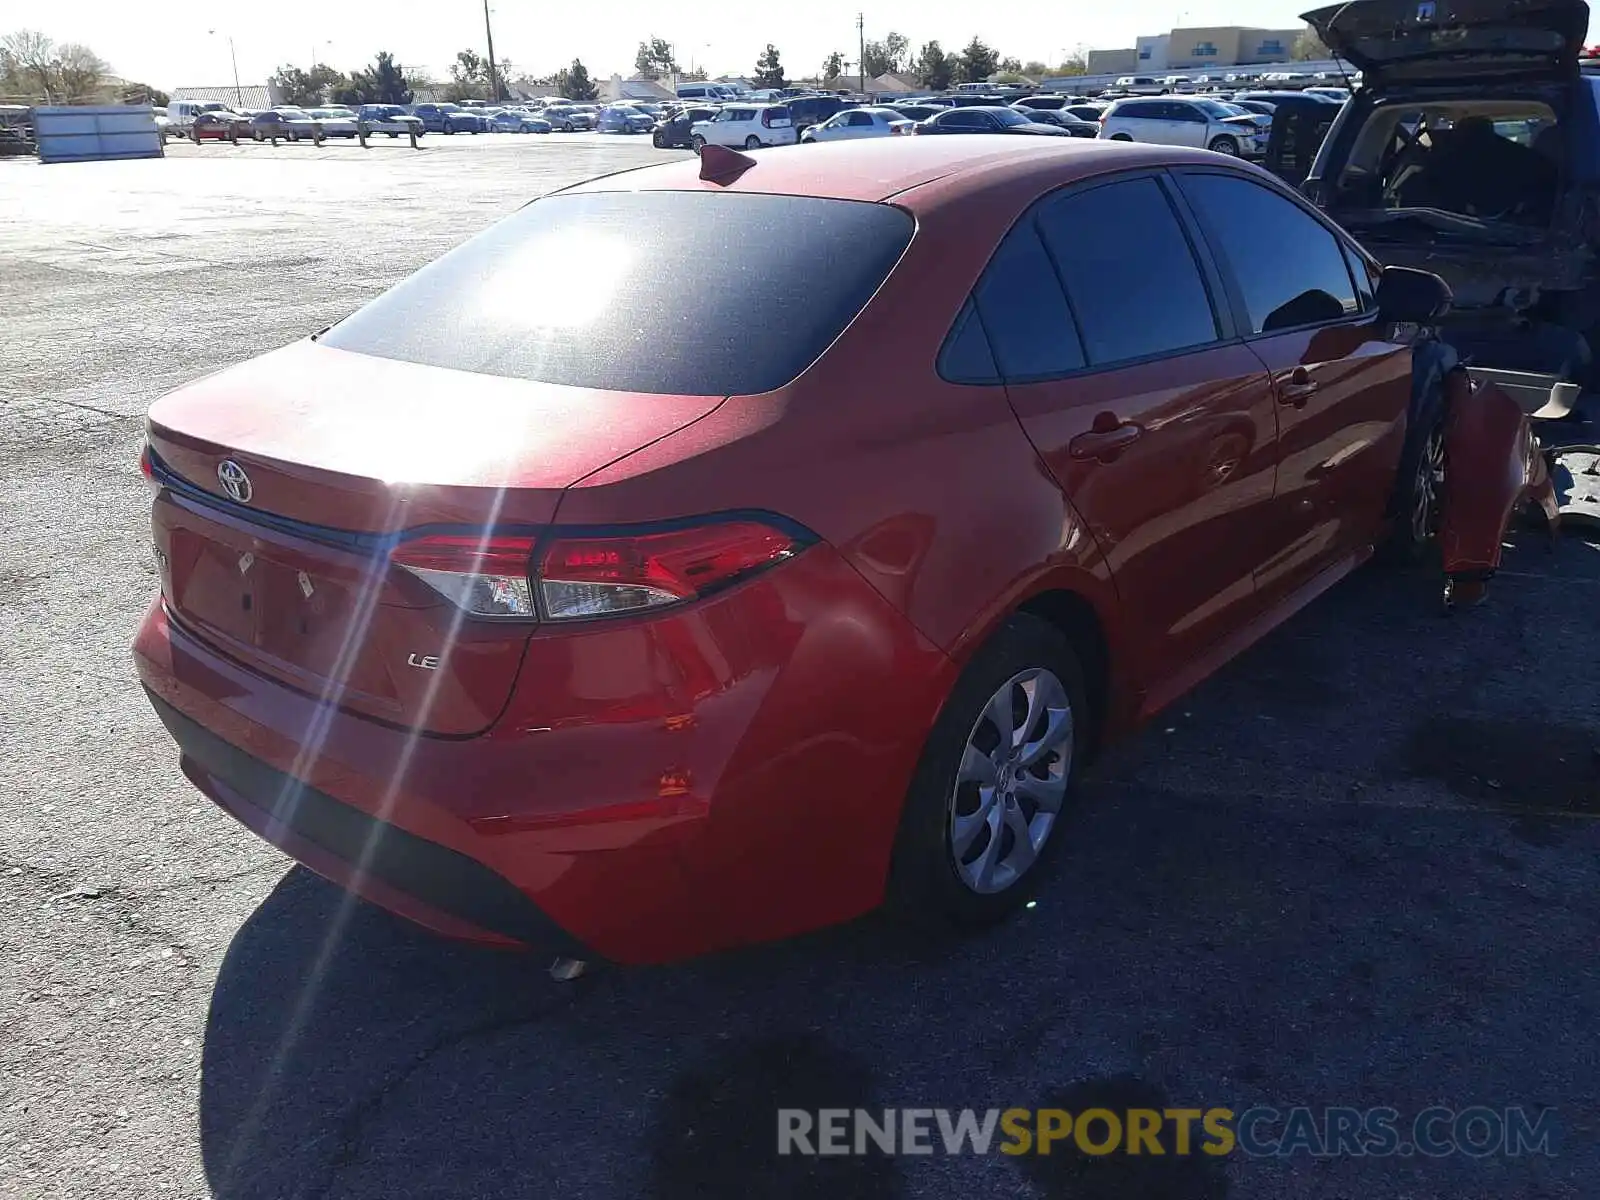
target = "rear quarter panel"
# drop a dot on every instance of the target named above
(929, 489)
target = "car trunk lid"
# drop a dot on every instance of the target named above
(290, 478)
(1392, 40)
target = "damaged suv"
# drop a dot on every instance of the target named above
(1472, 150)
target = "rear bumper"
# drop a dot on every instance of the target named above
(377, 860)
(653, 790)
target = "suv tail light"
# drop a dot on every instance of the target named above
(570, 575)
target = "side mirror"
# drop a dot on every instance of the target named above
(1411, 297)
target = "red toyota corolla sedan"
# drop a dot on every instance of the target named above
(804, 552)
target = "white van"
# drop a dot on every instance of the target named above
(181, 114)
(715, 92)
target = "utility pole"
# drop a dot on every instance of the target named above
(494, 77)
(861, 39)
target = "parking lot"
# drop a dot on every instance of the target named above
(1357, 868)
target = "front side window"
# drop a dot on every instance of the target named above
(1137, 293)
(1290, 268)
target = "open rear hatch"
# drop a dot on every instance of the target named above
(313, 500)
(1419, 40)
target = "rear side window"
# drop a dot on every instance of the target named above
(775, 280)
(1290, 268)
(1129, 269)
(1024, 310)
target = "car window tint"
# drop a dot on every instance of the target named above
(1138, 291)
(966, 357)
(1289, 266)
(806, 265)
(1020, 300)
(1366, 277)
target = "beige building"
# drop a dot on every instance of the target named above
(1196, 49)
(1113, 62)
(1228, 46)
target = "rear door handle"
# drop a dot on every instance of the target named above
(1295, 387)
(1105, 444)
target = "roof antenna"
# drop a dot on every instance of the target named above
(718, 164)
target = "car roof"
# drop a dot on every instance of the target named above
(871, 170)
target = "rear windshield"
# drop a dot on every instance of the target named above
(676, 293)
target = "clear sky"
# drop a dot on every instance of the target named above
(170, 47)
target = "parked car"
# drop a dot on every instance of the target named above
(677, 131)
(1138, 85)
(564, 118)
(449, 118)
(181, 114)
(218, 124)
(335, 122)
(919, 111)
(1086, 112)
(390, 119)
(806, 111)
(746, 125)
(988, 119)
(512, 120)
(287, 123)
(1062, 119)
(1481, 162)
(1046, 100)
(1184, 121)
(620, 118)
(859, 123)
(845, 567)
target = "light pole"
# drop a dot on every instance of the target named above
(238, 93)
(861, 38)
(494, 77)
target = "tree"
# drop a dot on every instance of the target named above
(574, 82)
(382, 83)
(1076, 63)
(1012, 66)
(654, 59)
(932, 67)
(1034, 69)
(469, 76)
(978, 62)
(832, 66)
(139, 93)
(1308, 47)
(307, 88)
(698, 75)
(31, 57)
(886, 56)
(769, 69)
(80, 72)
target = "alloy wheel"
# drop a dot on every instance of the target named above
(1429, 486)
(1012, 781)
(1227, 146)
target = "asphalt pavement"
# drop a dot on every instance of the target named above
(1356, 868)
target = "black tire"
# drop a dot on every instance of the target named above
(1414, 506)
(449, 128)
(393, 134)
(1121, 137)
(1224, 145)
(697, 143)
(752, 142)
(657, 142)
(925, 886)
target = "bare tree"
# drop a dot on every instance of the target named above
(80, 72)
(34, 56)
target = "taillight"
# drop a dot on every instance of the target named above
(599, 576)
(591, 575)
(485, 576)
(147, 468)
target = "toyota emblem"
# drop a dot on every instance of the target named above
(234, 481)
